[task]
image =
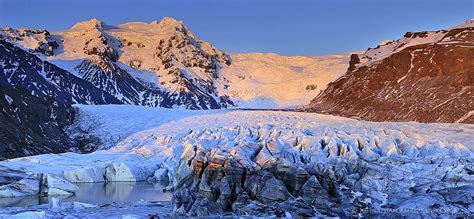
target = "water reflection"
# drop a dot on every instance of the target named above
(99, 193)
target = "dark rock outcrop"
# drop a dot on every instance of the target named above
(424, 77)
(43, 79)
(32, 125)
(108, 77)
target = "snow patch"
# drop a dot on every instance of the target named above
(259, 80)
(466, 116)
(9, 99)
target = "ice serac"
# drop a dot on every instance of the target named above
(424, 76)
(39, 184)
(55, 185)
(275, 164)
(99, 166)
(85, 175)
(269, 171)
(23, 187)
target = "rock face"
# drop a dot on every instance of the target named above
(43, 79)
(424, 77)
(31, 125)
(108, 77)
(273, 171)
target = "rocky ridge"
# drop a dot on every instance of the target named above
(424, 76)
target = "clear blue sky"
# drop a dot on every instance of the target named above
(292, 27)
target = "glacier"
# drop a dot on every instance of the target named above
(265, 163)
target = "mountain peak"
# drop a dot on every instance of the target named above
(467, 23)
(93, 23)
(166, 21)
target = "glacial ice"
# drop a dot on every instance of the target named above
(43, 184)
(267, 162)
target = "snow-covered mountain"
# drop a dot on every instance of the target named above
(424, 76)
(156, 64)
(256, 80)
(162, 64)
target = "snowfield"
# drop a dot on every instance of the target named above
(353, 165)
(269, 81)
